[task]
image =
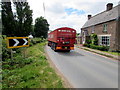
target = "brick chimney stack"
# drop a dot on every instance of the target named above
(89, 17)
(109, 6)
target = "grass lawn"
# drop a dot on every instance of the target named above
(113, 53)
(37, 74)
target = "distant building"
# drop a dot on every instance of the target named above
(79, 39)
(105, 25)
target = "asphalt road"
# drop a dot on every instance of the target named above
(84, 69)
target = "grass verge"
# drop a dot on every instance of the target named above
(37, 74)
(98, 53)
(113, 53)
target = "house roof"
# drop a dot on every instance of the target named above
(102, 17)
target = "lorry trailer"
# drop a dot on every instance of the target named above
(62, 39)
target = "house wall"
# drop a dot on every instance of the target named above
(118, 34)
(111, 30)
(79, 40)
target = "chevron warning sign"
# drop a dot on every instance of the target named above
(17, 42)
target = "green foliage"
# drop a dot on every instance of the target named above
(5, 51)
(41, 27)
(86, 45)
(8, 21)
(88, 41)
(30, 72)
(102, 48)
(93, 43)
(18, 23)
(24, 18)
(94, 39)
(36, 40)
(113, 53)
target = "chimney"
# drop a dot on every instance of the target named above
(89, 16)
(109, 6)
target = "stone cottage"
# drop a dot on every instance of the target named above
(105, 25)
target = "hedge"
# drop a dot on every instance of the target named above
(102, 48)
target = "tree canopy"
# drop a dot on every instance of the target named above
(41, 27)
(7, 19)
(24, 18)
(19, 22)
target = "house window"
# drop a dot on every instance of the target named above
(104, 27)
(93, 29)
(105, 40)
(85, 32)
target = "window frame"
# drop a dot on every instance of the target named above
(104, 40)
(105, 27)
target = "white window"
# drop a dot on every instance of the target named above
(104, 40)
(93, 29)
(104, 27)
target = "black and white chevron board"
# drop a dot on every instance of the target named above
(17, 42)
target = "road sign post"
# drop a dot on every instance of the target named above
(11, 54)
(24, 52)
(17, 42)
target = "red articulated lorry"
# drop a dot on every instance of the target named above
(62, 39)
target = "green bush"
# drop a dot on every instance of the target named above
(94, 39)
(18, 59)
(36, 40)
(5, 50)
(86, 45)
(102, 48)
(88, 41)
(93, 46)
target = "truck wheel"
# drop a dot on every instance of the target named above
(56, 50)
(54, 47)
(67, 50)
(48, 44)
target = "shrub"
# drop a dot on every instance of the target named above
(88, 41)
(94, 39)
(102, 48)
(36, 40)
(86, 45)
(93, 46)
(5, 50)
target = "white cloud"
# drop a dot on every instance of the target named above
(57, 17)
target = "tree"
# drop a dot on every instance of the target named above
(94, 39)
(19, 23)
(23, 18)
(7, 19)
(41, 27)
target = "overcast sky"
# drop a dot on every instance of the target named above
(68, 13)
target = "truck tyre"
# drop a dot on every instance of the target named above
(67, 50)
(54, 47)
